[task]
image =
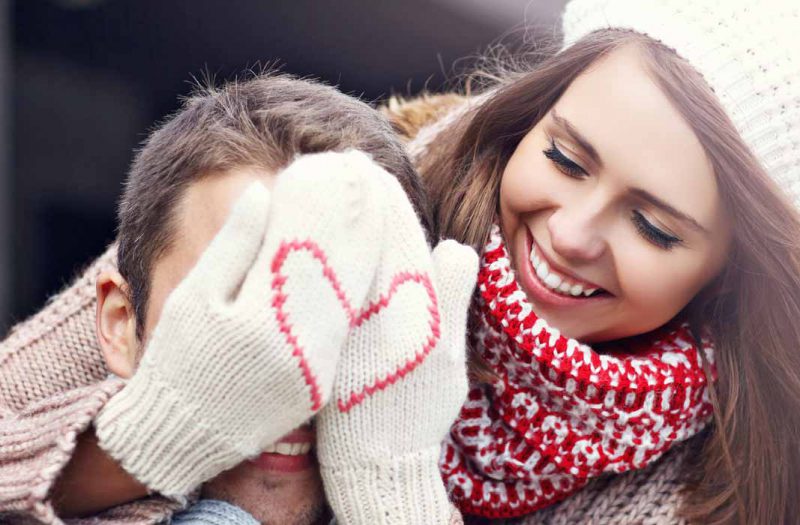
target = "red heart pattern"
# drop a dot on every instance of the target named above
(357, 317)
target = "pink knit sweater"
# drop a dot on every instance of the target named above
(53, 381)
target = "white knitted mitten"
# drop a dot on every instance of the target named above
(401, 381)
(247, 345)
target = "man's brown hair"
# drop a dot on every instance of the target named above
(263, 122)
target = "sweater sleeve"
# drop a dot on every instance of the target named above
(37, 442)
(53, 381)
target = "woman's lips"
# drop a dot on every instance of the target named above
(536, 289)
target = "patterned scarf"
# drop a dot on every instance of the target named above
(560, 413)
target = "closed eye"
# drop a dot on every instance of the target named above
(652, 233)
(564, 163)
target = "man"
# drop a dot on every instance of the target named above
(182, 185)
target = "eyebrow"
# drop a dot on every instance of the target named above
(655, 201)
(584, 143)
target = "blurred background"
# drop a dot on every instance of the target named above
(82, 81)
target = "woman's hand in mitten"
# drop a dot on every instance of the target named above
(401, 380)
(247, 345)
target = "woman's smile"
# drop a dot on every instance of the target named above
(557, 279)
(548, 284)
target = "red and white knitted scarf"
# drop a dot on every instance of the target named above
(560, 413)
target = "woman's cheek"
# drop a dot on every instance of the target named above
(658, 286)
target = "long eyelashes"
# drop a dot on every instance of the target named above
(563, 162)
(653, 234)
(644, 227)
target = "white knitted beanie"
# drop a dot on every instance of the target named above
(748, 52)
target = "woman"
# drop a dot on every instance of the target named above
(645, 184)
(659, 265)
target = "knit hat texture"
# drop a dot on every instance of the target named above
(748, 52)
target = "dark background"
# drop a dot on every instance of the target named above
(82, 81)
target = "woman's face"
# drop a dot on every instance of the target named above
(612, 195)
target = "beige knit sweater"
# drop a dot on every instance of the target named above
(53, 382)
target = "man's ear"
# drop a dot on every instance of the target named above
(116, 324)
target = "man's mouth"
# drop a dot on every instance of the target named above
(288, 449)
(292, 453)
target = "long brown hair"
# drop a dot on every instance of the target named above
(746, 468)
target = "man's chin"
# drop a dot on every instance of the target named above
(270, 496)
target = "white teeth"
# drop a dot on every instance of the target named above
(542, 270)
(555, 281)
(552, 281)
(288, 449)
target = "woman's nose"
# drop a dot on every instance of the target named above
(576, 234)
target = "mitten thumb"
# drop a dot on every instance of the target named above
(455, 269)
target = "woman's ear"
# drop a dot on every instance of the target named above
(116, 324)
